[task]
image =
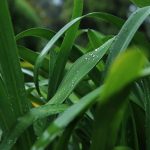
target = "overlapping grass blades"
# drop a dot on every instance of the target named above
(59, 66)
(87, 101)
(71, 79)
(24, 122)
(111, 98)
(14, 102)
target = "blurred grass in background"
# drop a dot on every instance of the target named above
(54, 14)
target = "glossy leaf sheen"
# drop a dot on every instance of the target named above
(79, 69)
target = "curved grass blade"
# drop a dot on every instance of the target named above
(79, 69)
(127, 32)
(50, 44)
(31, 56)
(66, 118)
(79, 108)
(25, 121)
(36, 32)
(58, 69)
(25, 8)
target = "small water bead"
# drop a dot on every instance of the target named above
(86, 58)
(34, 148)
(45, 135)
(96, 49)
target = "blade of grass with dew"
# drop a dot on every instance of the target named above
(25, 121)
(47, 48)
(72, 112)
(79, 69)
(75, 53)
(60, 33)
(41, 32)
(113, 98)
(11, 72)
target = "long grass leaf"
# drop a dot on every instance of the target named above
(79, 69)
(67, 117)
(25, 121)
(11, 72)
(71, 113)
(50, 44)
(58, 69)
(10, 69)
(127, 32)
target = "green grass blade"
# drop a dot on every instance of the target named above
(25, 121)
(47, 48)
(146, 98)
(141, 3)
(12, 75)
(31, 56)
(36, 32)
(62, 144)
(69, 115)
(64, 52)
(66, 118)
(111, 103)
(4, 109)
(79, 69)
(95, 38)
(127, 32)
(122, 148)
(25, 8)
(10, 67)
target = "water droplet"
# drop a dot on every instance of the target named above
(34, 148)
(45, 135)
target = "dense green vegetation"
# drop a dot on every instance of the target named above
(74, 96)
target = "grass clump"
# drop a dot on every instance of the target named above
(101, 102)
